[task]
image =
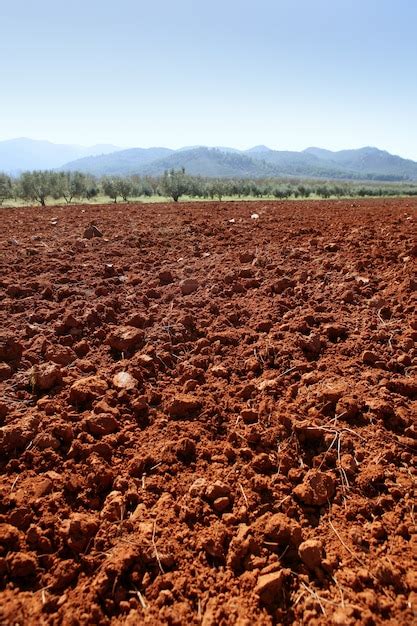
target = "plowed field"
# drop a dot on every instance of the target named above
(208, 413)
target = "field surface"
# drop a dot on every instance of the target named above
(208, 416)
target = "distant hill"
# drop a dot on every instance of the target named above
(258, 150)
(21, 154)
(258, 162)
(123, 162)
(211, 162)
(372, 160)
(291, 163)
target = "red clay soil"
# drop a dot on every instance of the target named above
(206, 417)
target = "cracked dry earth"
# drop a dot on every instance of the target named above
(208, 418)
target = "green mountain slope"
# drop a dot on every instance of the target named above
(367, 160)
(211, 162)
(123, 162)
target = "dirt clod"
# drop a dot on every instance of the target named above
(183, 405)
(188, 286)
(316, 489)
(92, 231)
(269, 586)
(124, 380)
(87, 389)
(311, 553)
(125, 338)
(45, 376)
(10, 349)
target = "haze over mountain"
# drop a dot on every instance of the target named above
(258, 162)
(21, 154)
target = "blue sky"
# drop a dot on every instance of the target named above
(286, 73)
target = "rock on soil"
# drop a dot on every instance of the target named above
(166, 277)
(311, 553)
(280, 529)
(102, 424)
(10, 349)
(18, 435)
(62, 355)
(269, 586)
(317, 488)
(78, 530)
(183, 405)
(124, 380)
(45, 376)
(91, 232)
(5, 371)
(188, 286)
(125, 338)
(87, 389)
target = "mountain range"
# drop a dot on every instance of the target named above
(258, 162)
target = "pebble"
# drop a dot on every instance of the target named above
(125, 338)
(280, 529)
(369, 358)
(87, 389)
(221, 504)
(10, 349)
(332, 391)
(311, 345)
(311, 553)
(140, 405)
(219, 371)
(92, 231)
(316, 489)
(188, 286)
(217, 490)
(124, 380)
(138, 320)
(165, 277)
(269, 587)
(198, 488)
(183, 405)
(5, 371)
(61, 355)
(102, 424)
(45, 376)
(249, 416)
(283, 283)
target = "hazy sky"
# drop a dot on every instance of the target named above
(286, 73)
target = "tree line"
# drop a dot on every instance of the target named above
(42, 186)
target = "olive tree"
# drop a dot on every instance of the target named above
(72, 185)
(219, 188)
(115, 186)
(38, 185)
(110, 188)
(125, 187)
(6, 188)
(175, 184)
